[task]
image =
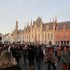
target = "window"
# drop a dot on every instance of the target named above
(45, 35)
(48, 36)
(60, 27)
(51, 36)
(68, 27)
(67, 42)
(32, 35)
(56, 42)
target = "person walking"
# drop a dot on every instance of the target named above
(39, 57)
(31, 56)
(69, 57)
(24, 53)
(65, 58)
(51, 59)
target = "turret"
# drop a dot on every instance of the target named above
(55, 19)
(31, 22)
(39, 20)
(27, 25)
(54, 23)
(16, 27)
(50, 19)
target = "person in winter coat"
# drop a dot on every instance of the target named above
(1, 49)
(7, 62)
(24, 53)
(31, 56)
(59, 54)
(39, 57)
(69, 58)
(16, 53)
(51, 59)
(65, 58)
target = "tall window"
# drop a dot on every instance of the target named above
(48, 36)
(27, 38)
(60, 27)
(67, 26)
(56, 42)
(45, 37)
(32, 35)
(51, 36)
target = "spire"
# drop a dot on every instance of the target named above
(41, 17)
(50, 19)
(55, 19)
(54, 23)
(24, 26)
(17, 20)
(16, 25)
(39, 20)
(31, 21)
(27, 24)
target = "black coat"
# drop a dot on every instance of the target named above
(16, 53)
(31, 54)
(39, 54)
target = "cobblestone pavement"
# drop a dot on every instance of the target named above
(43, 65)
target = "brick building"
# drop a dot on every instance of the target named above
(62, 33)
(54, 32)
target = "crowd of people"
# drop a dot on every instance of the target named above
(10, 55)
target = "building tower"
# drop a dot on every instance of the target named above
(31, 22)
(16, 27)
(15, 32)
(54, 23)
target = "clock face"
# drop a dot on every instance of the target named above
(0, 38)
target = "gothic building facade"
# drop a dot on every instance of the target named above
(40, 32)
(43, 33)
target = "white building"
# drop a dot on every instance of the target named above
(8, 37)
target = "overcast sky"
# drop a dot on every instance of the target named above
(25, 10)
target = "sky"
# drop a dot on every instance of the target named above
(26, 10)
